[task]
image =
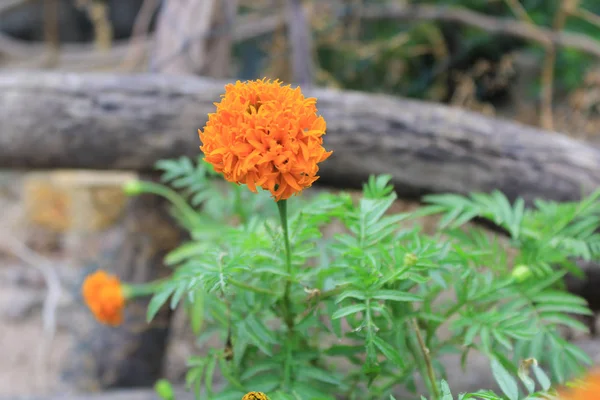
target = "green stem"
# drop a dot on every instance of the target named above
(142, 289)
(288, 317)
(427, 359)
(288, 314)
(177, 200)
(239, 207)
(251, 288)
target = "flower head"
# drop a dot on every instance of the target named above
(588, 389)
(255, 396)
(104, 295)
(267, 135)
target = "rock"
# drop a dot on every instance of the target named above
(22, 305)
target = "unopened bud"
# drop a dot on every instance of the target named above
(132, 188)
(164, 389)
(521, 273)
(410, 259)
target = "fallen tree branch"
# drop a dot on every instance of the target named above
(254, 25)
(103, 121)
(493, 25)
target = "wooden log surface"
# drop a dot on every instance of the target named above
(105, 121)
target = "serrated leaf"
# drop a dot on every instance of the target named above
(262, 331)
(507, 383)
(396, 295)
(319, 375)
(255, 339)
(184, 251)
(526, 379)
(196, 311)
(355, 294)
(258, 369)
(158, 300)
(445, 389)
(345, 311)
(208, 378)
(177, 295)
(541, 377)
(388, 351)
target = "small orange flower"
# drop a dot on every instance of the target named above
(267, 135)
(103, 294)
(588, 389)
(255, 396)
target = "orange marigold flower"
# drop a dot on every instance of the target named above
(267, 135)
(104, 296)
(255, 396)
(588, 389)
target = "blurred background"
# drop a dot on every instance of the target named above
(531, 61)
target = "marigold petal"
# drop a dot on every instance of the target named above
(103, 294)
(265, 134)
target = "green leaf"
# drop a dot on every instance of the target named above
(507, 383)
(196, 311)
(258, 369)
(193, 379)
(559, 297)
(177, 295)
(396, 295)
(261, 330)
(541, 377)
(355, 294)
(159, 299)
(353, 309)
(208, 378)
(446, 393)
(244, 331)
(389, 352)
(184, 252)
(319, 375)
(525, 378)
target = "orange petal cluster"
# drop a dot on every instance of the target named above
(255, 396)
(266, 135)
(588, 389)
(103, 294)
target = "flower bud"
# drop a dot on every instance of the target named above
(521, 273)
(164, 389)
(132, 188)
(410, 259)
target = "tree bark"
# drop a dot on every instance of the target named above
(100, 121)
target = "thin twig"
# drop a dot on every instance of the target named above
(255, 24)
(139, 34)
(299, 36)
(53, 293)
(427, 359)
(587, 16)
(547, 78)
(486, 23)
(51, 31)
(517, 8)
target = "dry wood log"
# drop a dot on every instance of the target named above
(102, 121)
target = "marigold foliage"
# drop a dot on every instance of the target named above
(589, 389)
(266, 135)
(103, 294)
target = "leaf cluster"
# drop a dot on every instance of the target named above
(371, 301)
